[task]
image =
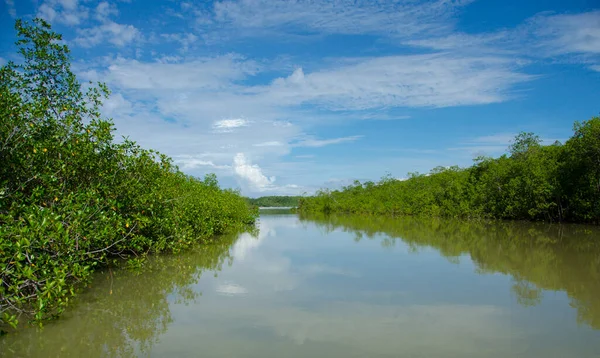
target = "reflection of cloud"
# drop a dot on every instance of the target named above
(247, 242)
(365, 329)
(319, 269)
(410, 328)
(244, 245)
(231, 289)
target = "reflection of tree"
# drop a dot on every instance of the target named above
(124, 312)
(538, 256)
(527, 293)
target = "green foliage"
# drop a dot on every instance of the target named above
(274, 201)
(551, 183)
(71, 198)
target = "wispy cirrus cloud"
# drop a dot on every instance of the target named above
(569, 33)
(315, 143)
(573, 37)
(494, 144)
(388, 18)
(218, 72)
(433, 80)
(10, 7)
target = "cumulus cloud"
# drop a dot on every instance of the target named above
(251, 173)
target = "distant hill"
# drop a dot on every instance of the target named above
(274, 201)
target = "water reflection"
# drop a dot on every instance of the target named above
(346, 287)
(123, 313)
(538, 256)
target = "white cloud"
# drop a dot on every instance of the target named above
(68, 12)
(312, 142)
(478, 43)
(104, 10)
(227, 125)
(251, 173)
(188, 162)
(231, 289)
(10, 7)
(269, 144)
(185, 40)
(321, 269)
(569, 35)
(194, 74)
(436, 80)
(390, 18)
(576, 33)
(110, 31)
(115, 104)
(571, 38)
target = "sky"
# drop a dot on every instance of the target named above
(283, 97)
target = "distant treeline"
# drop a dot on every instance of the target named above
(274, 201)
(558, 182)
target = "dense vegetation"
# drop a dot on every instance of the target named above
(274, 201)
(538, 256)
(558, 182)
(72, 199)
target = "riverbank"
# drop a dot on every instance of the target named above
(554, 183)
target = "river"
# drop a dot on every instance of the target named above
(345, 287)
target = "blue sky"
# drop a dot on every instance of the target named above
(284, 97)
